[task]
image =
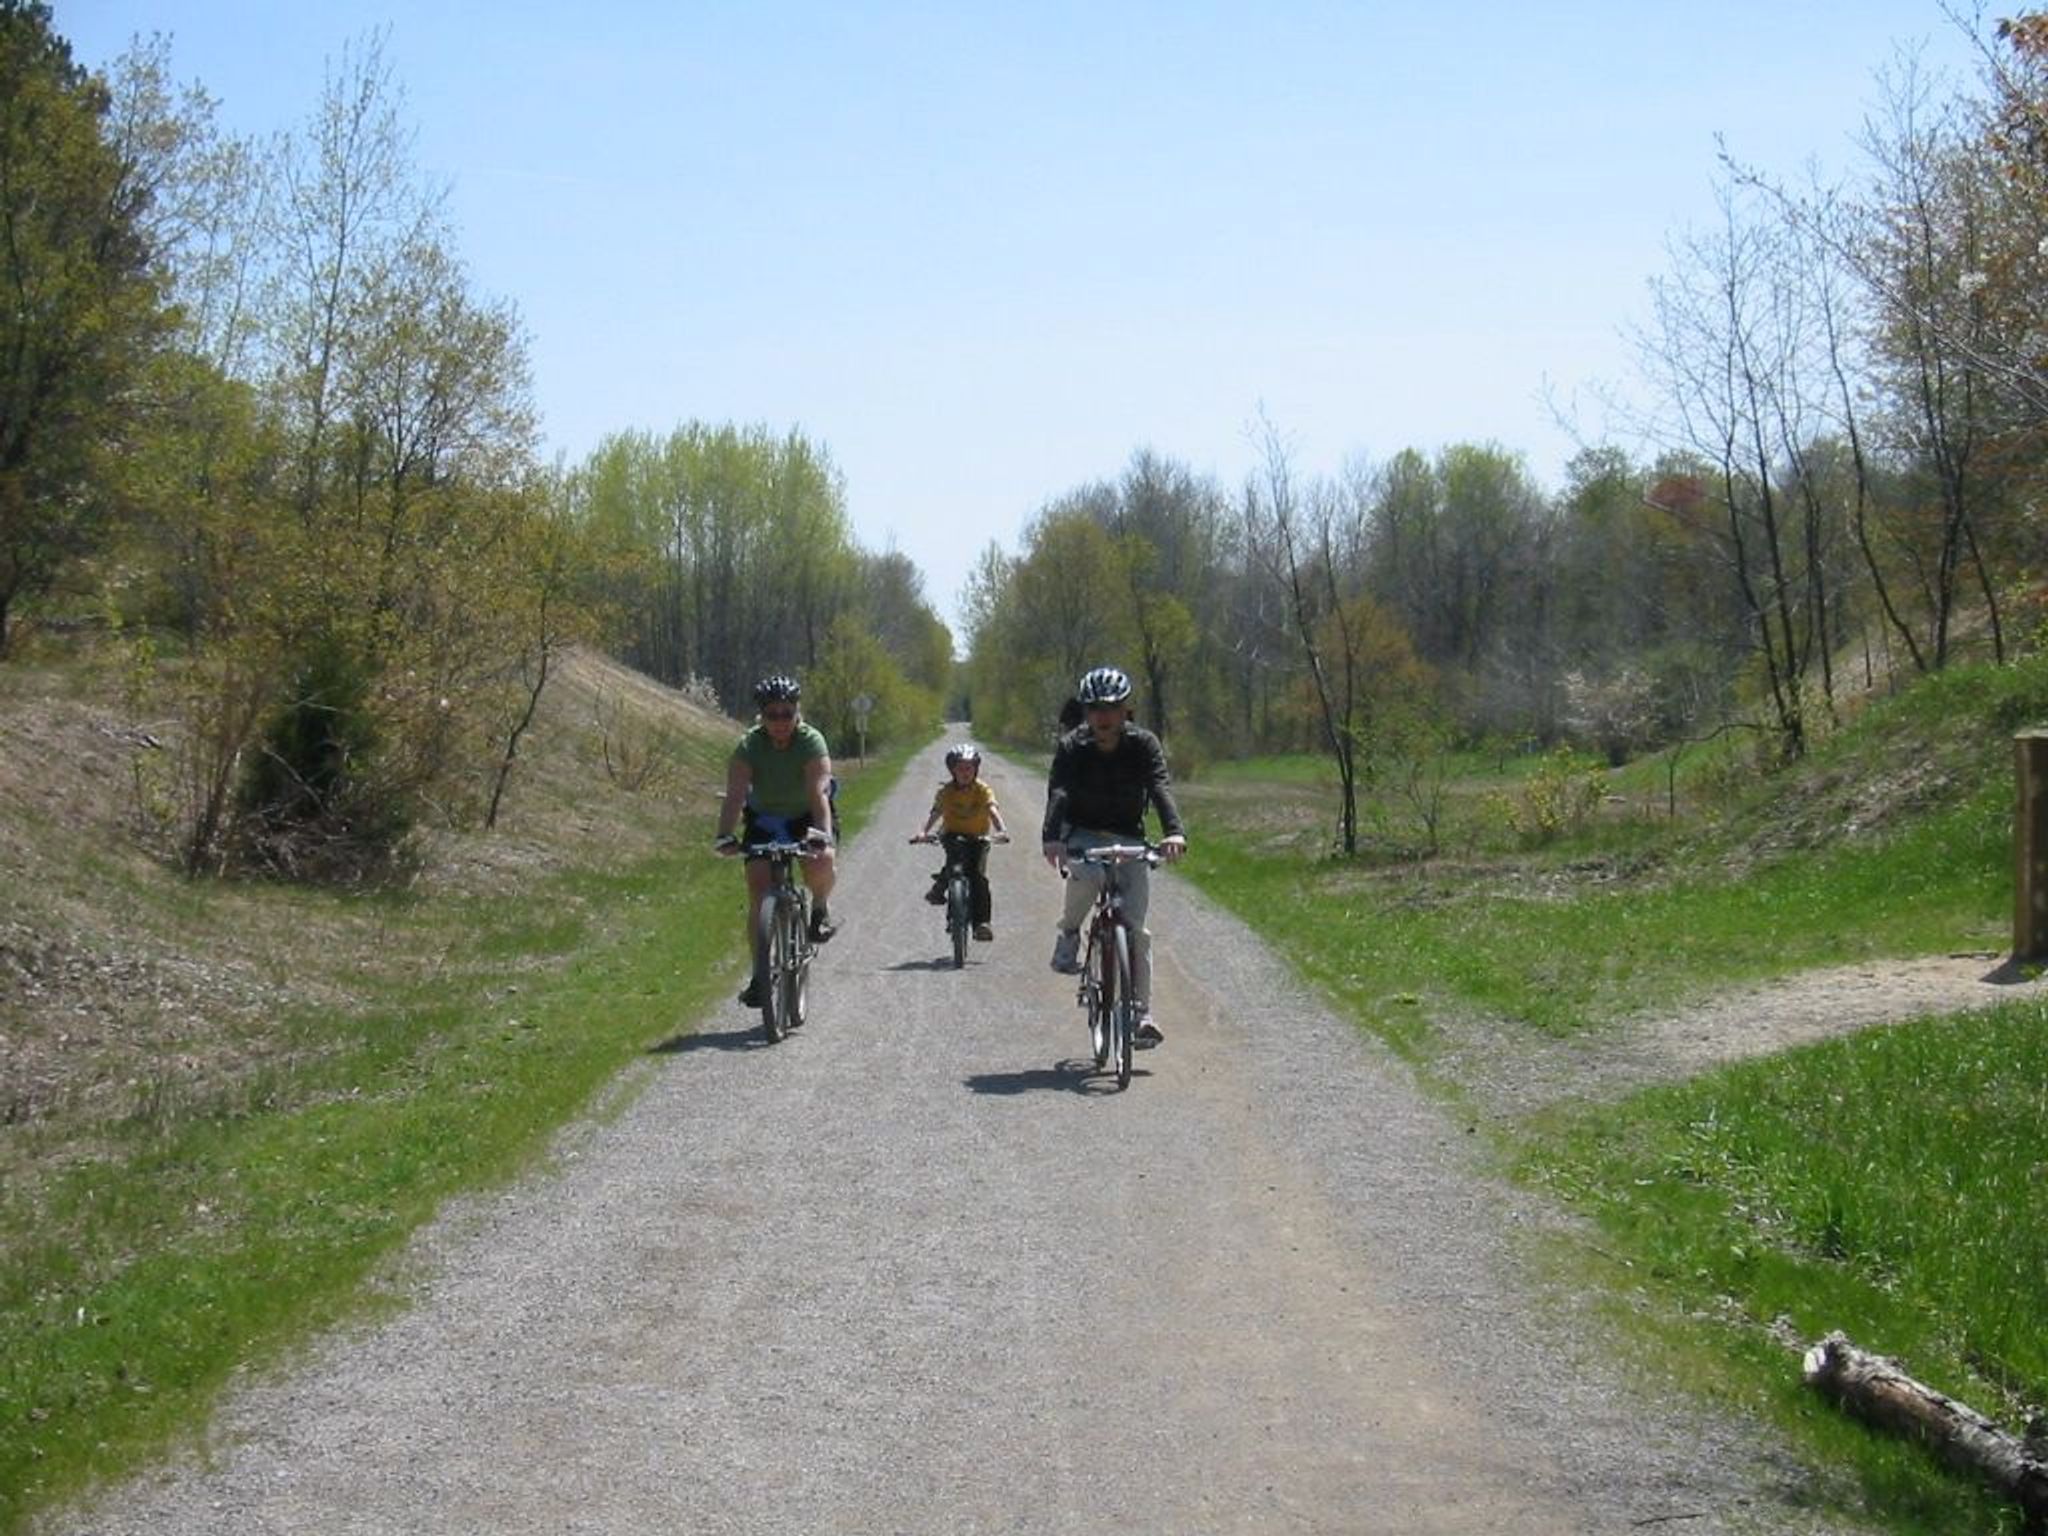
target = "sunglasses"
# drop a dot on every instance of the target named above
(778, 714)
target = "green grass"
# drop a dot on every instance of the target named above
(205, 1238)
(218, 1239)
(1267, 771)
(1893, 1184)
(1538, 944)
(1577, 933)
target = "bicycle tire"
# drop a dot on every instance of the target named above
(959, 916)
(1095, 998)
(768, 934)
(1120, 1020)
(795, 960)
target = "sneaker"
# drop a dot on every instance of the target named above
(983, 932)
(936, 896)
(1066, 953)
(1148, 1033)
(822, 926)
(750, 996)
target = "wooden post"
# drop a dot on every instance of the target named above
(2030, 847)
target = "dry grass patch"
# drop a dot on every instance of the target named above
(128, 990)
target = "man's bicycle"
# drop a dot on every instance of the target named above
(782, 939)
(961, 851)
(1105, 989)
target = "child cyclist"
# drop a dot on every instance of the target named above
(966, 812)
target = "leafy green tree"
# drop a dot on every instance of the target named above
(1071, 601)
(1385, 701)
(728, 553)
(347, 199)
(1006, 704)
(889, 593)
(852, 664)
(1169, 525)
(1455, 546)
(206, 219)
(81, 314)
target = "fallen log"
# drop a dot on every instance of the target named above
(1875, 1389)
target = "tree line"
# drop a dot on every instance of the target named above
(256, 416)
(1849, 392)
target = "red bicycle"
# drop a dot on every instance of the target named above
(1105, 989)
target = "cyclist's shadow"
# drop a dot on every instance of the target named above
(1076, 1074)
(747, 1039)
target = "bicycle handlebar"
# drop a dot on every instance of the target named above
(804, 850)
(1118, 853)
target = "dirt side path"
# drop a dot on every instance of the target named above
(1511, 1075)
(913, 1270)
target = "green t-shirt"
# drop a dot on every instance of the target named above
(778, 774)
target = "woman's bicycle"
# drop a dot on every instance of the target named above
(1105, 989)
(961, 850)
(782, 940)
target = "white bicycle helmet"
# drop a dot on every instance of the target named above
(1104, 685)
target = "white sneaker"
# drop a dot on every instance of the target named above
(1147, 1033)
(1066, 950)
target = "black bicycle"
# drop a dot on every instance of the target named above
(1105, 989)
(961, 849)
(782, 939)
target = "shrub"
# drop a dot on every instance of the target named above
(311, 801)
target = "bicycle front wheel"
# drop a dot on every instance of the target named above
(769, 967)
(959, 916)
(793, 963)
(1095, 1000)
(1122, 1012)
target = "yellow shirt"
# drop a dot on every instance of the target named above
(964, 808)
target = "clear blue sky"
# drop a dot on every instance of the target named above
(982, 253)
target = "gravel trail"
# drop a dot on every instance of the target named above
(916, 1270)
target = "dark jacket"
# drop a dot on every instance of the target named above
(1099, 791)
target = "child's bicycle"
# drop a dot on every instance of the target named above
(1105, 989)
(960, 848)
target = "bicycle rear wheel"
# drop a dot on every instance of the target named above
(768, 971)
(959, 917)
(1121, 1017)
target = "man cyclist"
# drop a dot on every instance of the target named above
(1105, 772)
(779, 778)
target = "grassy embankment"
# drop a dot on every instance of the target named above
(1893, 1184)
(189, 1203)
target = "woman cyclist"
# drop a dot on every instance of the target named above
(779, 778)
